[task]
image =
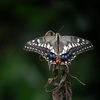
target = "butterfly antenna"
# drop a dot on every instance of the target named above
(61, 28)
(53, 28)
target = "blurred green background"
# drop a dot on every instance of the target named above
(22, 75)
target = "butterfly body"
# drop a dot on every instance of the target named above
(58, 49)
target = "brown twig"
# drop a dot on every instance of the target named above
(63, 90)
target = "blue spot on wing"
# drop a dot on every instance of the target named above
(52, 56)
(66, 56)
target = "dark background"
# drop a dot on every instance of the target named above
(22, 75)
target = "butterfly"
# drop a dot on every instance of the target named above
(57, 49)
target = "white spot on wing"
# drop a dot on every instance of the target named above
(24, 46)
(38, 40)
(82, 48)
(65, 47)
(62, 63)
(69, 45)
(52, 50)
(78, 40)
(78, 44)
(51, 47)
(33, 43)
(73, 45)
(42, 45)
(30, 47)
(81, 43)
(48, 46)
(86, 42)
(90, 46)
(29, 43)
(83, 40)
(50, 61)
(63, 51)
(27, 47)
(33, 40)
(60, 54)
(45, 45)
(39, 44)
(65, 62)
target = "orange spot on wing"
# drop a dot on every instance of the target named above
(58, 59)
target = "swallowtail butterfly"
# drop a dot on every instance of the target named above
(58, 49)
